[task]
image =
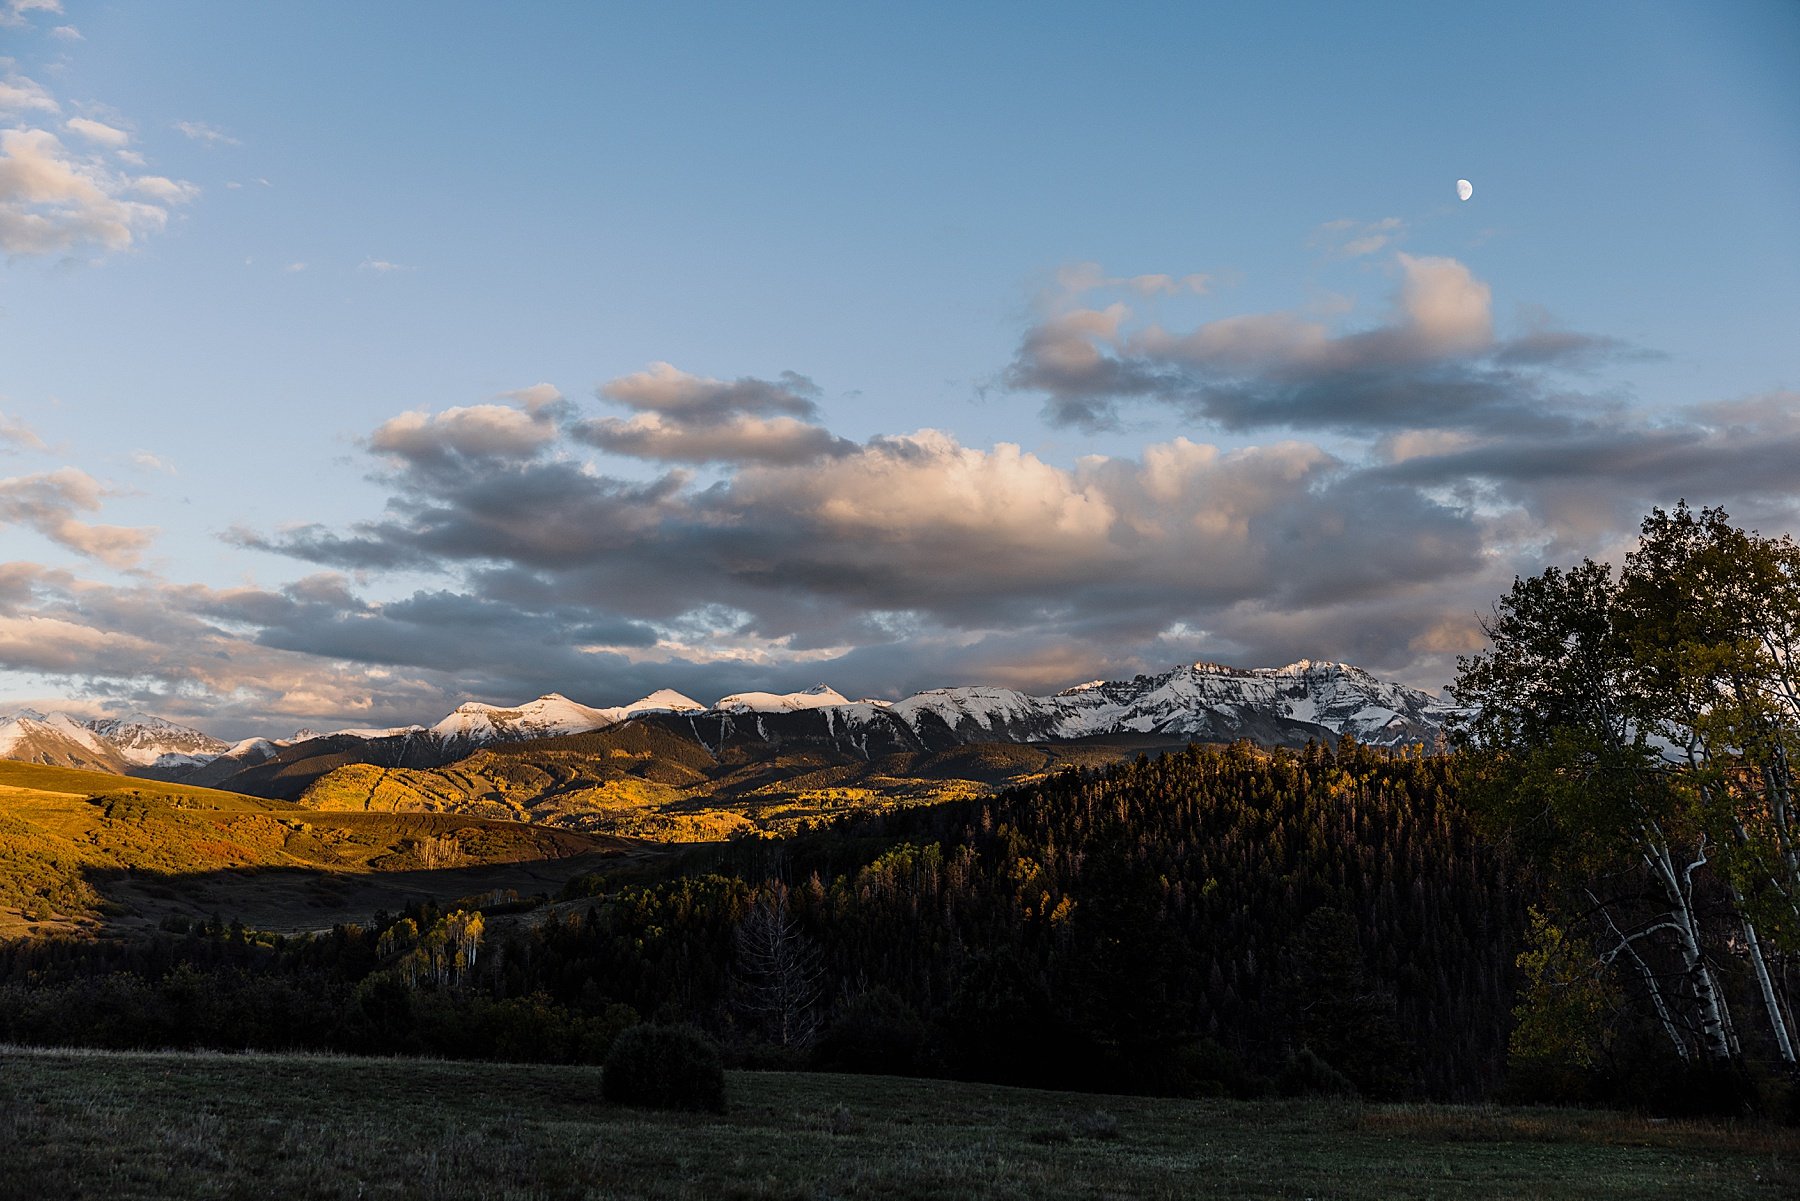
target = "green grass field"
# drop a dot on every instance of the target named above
(120, 1126)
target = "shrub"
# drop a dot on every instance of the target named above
(877, 1032)
(1305, 1074)
(664, 1067)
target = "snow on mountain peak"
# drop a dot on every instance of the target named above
(819, 696)
(548, 715)
(665, 700)
(145, 739)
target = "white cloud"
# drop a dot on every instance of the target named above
(1447, 307)
(13, 12)
(1355, 239)
(380, 266)
(54, 200)
(99, 132)
(21, 95)
(536, 397)
(16, 433)
(48, 501)
(67, 33)
(477, 431)
(168, 191)
(293, 268)
(201, 132)
(151, 462)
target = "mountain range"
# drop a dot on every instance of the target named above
(1203, 702)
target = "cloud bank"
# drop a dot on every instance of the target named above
(1346, 489)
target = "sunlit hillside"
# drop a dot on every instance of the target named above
(79, 848)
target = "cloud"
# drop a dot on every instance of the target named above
(1079, 279)
(683, 418)
(1459, 456)
(150, 462)
(378, 266)
(19, 95)
(1356, 239)
(199, 131)
(54, 199)
(15, 434)
(537, 398)
(488, 431)
(734, 440)
(672, 392)
(67, 33)
(915, 530)
(165, 190)
(14, 13)
(1433, 361)
(48, 501)
(98, 131)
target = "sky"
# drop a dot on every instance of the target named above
(360, 360)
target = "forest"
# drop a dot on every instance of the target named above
(1591, 898)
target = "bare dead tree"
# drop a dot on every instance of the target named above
(778, 977)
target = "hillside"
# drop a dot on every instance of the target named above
(82, 849)
(645, 781)
(141, 1126)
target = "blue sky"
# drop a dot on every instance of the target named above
(1337, 408)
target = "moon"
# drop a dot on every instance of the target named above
(1464, 189)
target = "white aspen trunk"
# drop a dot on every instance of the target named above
(1778, 1021)
(1715, 1021)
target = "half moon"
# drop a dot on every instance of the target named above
(1464, 189)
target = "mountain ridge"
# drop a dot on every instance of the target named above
(1200, 701)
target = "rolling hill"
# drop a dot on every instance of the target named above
(90, 850)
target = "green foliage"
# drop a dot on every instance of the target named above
(1634, 738)
(1565, 1021)
(664, 1067)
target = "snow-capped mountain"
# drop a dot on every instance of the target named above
(149, 741)
(819, 696)
(57, 740)
(1200, 702)
(115, 744)
(546, 717)
(1206, 700)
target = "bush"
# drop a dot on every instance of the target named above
(878, 1032)
(664, 1067)
(1305, 1074)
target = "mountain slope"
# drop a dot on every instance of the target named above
(147, 741)
(57, 740)
(76, 846)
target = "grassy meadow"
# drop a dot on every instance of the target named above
(141, 1125)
